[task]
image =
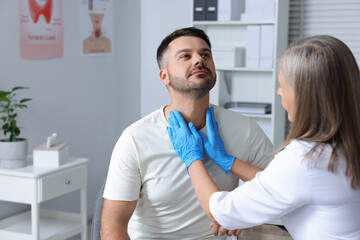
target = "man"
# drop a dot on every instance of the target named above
(148, 193)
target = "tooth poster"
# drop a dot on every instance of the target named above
(41, 29)
(96, 27)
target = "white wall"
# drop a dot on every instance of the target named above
(87, 101)
(158, 19)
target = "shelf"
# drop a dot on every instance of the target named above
(266, 116)
(54, 225)
(242, 69)
(217, 23)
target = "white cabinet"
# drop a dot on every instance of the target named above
(33, 185)
(257, 83)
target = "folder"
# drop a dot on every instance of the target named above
(199, 10)
(230, 10)
(266, 46)
(211, 10)
(259, 10)
(253, 47)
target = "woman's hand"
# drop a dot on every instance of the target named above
(214, 145)
(186, 140)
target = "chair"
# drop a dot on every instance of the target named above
(96, 220)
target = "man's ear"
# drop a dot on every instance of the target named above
(164, 77)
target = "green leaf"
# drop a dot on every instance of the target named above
(18, 88)
(13, 123)
(17, 131)
(21, 106)
(4, 94)
(25, 100)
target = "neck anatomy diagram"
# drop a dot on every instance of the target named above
(36, 10)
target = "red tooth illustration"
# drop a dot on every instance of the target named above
(36, 10)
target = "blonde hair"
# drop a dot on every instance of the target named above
(325, 78)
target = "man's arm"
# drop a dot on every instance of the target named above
(115, 218)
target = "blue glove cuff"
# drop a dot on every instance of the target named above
(193, 159)
(229, 163)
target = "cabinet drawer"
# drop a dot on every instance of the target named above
(62, 182)
(17, 189)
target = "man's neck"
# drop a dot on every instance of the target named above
(191, 110)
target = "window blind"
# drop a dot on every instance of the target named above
(338, 18)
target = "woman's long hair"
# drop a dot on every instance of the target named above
(325, 78)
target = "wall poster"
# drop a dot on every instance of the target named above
(41, 29)
(96, 27)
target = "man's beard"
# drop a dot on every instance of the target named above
(190, 89)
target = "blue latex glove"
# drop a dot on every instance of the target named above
(186, 140)
(214, 145)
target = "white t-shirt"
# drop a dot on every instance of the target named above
(315, 203)
(145, 167)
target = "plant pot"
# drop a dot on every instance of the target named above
(13, 154)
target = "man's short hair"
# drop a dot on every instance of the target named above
(190, 31)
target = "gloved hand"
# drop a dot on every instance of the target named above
(214, 145)
(186, 140)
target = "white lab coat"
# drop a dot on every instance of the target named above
(313, 202)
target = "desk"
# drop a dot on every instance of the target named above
(33, 185)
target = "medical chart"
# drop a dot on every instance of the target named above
(96, 27)
(41, 29)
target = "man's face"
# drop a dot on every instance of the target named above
(190, 67)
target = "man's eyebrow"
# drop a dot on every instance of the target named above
(182, 51)
(189, 50)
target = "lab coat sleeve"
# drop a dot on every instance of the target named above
(282, 187)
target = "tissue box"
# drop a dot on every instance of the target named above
(228, 57)
(51, 157)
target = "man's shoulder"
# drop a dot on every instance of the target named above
(149, 121)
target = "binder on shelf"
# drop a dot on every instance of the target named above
(259, 10)
(249, 107)
(253, 47)
(268, 10)
(199, 10)
(228, 57)
(230, 10)
(266, 46)
(211, 10)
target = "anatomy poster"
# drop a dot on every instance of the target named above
(96, 27)
(41, 28)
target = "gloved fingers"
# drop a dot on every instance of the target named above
(204, 139)
(210, 127)
(193, 129)
(180, 119)
(209, 120)
(214, 122)
(171, 135)
(173, 121)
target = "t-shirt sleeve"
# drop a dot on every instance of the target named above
(124, 180)
(261, 147)
(282, 187)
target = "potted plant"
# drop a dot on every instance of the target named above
(13, 150)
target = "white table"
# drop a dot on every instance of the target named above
(33, 185)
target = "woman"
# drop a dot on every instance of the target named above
(313, 181)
